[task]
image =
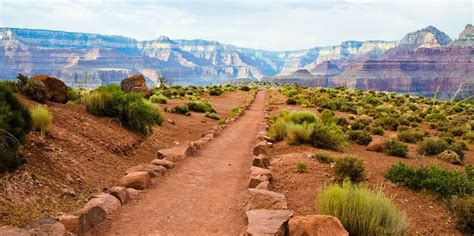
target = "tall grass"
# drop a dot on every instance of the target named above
(362, 211)
(42, 119)
(299, 133)
(278, 130)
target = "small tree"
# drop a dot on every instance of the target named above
(164, 82)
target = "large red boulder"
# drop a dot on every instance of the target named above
(135, 83)
(57, 89)
(317, 225)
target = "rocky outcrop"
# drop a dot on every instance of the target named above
(136, 84)
(422, 61)
(56, 88)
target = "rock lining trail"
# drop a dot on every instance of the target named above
(203, 194)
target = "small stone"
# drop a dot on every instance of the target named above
(137, 180)
(165, 163)
(268, 222)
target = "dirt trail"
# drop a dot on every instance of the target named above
(203, 194)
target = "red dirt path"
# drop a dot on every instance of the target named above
(203, 194)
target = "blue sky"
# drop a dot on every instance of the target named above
(262, 24)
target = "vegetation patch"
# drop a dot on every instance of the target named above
(362, 211)
(351, 168)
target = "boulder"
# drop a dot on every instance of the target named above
(135, 83)
(89, 217)
(268, 222)
(260, 148)
(263, 137)
(450, 157)
(256, 180)
(57, 89)
(13, 231)
(265, 199)
(71, 222)
(133, 192)
(376, 145)
(199, 143)
(256, 171)
(153, 170)
(263, 185)
(177, 152)
(164, 163)
(106, 201)
(261, 161)
(120, 193)
(46, 226)
(317, 225)
(137, 180)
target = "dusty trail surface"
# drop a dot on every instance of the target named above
(203, 194)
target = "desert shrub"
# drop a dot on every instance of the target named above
(278, 130)
(299, 117)
(200, 107)
(298, 133)
(15, 123)
(411, 136)
(436, 117)
(215, 92)
(358, 125)
(222, 122)
(15, 119)
(131, 109)
(301, 166)
(463, 208)
(35, 90)
(341, 121)
(442, 181)
(327, 116)
(351, 168)
(291, 101)
(388, 123)
(395, 148)
(212, 115)
(432, 147)
(10, 159)
(159, 98)
(245, 88)
(42, 119)
(360, 137)
(362, 211)
(324, 157)
(377, 130)
(73, 94)
(459, 148)
(180, 109)
(234, 111)
(328, 135)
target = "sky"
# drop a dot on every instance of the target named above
(260, 24)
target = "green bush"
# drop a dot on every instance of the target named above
(411, 136)
(439, 180)
(15, 124)
(362, 211)
(181, 109)
(324, 157)
(131, 109)
(291, 101)
(395, 148)
(329, 136)
(15, 118)
(159, 98)
(215, 92)
(299, 117)
(377, 130)
(42, 119)
(360, 137)
(73, 94)
(200, 107)
(463, 208)
(301, 167)
(212, 115)
(35, 90)
(278, 130)
(351, 168)
(245, 88)
(298, 133)
(432, 147)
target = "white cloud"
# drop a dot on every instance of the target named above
(276, 25)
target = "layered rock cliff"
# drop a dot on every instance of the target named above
(92, 59)
(422, 61)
